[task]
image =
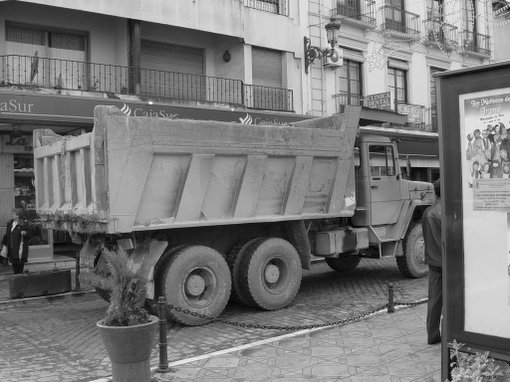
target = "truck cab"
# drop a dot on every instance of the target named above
(387, 204)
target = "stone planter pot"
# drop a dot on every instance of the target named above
(129, 349)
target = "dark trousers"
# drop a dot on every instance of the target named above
(435, 304)
(18, 268)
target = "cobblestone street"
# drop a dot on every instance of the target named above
(55, 339)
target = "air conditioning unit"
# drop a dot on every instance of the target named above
(333, 61)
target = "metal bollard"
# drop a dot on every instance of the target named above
(163, 356)
(391, 303)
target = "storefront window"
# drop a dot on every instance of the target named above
(24, 197)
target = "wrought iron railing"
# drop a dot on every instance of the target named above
(94, 77)
(441, 33)
(263, 97)
(280, 7)
(344, 98)
(400, 20)
(361, 10)
(476, 43)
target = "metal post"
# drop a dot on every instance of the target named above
(163, 356)
(77, 285)
(391, 303)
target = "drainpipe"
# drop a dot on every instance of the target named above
(323, 79)
(135, 56)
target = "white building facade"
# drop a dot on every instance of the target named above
(230, 60)
(396, 46)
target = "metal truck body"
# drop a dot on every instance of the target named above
(206, 208)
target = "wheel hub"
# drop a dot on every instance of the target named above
(195, 285)
(271, 273)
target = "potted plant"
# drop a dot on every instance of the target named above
(127, 330)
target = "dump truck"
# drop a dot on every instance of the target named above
(217, 210)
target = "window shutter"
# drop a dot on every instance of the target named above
(267, 67)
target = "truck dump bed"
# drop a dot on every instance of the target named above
(140, 173)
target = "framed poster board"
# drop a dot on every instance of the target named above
(474, 146)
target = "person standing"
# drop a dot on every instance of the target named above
(434, 259)
(16, 241)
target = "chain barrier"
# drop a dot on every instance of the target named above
(291, 327)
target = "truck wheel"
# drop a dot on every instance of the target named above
(270, 273)
(412, 263)
(195, 278)
(344, 263)
(238, 255)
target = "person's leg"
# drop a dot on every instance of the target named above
(16, 268)
(434, 305)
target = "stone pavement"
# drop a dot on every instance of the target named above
(386, 347)
(58, 341)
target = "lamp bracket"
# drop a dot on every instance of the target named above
(312, 53)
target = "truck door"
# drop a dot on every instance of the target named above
(384, 184)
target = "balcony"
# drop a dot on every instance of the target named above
(358, 12)
(114, 79)
(399, 22)
(431, 119)
(280, 7)
(475, 44)
(343, 98)
(441, 34)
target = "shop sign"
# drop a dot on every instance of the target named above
(81, 110)
(414, 112)
(380, 101)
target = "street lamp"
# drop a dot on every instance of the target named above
(312, 52)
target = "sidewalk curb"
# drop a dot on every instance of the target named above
(6, 304)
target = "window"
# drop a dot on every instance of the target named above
(395, 16)
(433, 101)
(397, 83)
(381, 160)
(46, 56)
(349, 8)
(348, 84)
(435, 10)
(274, 6)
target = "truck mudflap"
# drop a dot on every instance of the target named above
(142, 258)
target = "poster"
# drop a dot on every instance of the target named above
(485, 145)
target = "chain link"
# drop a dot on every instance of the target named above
(290, 327)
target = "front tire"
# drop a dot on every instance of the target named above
(412, 263)
(196, 278)
(270, 273)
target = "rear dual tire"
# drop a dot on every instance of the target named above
(267, 273)
(194, 278)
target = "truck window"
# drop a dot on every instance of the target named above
(381, 160)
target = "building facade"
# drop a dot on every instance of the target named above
(230, 60)
(501, 13)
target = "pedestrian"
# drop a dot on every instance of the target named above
(434, 259)
(16, 241)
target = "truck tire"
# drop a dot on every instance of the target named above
(238, 254)
(343, 263)
(195, 278)
(412, 263)
(270, 273)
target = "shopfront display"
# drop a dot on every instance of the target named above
(18, 191)
(24, 197)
